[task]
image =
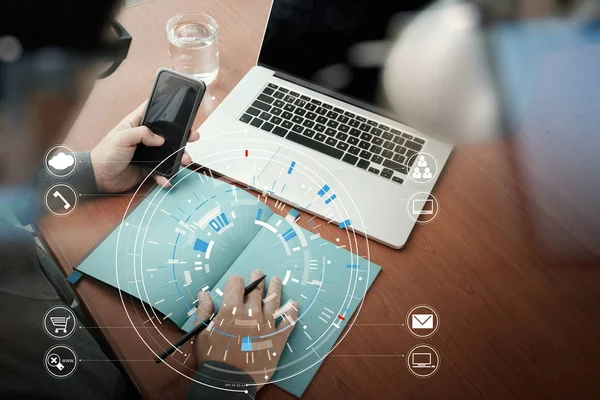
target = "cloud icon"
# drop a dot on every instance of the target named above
(61, 161)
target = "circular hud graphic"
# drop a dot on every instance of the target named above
(191, 236)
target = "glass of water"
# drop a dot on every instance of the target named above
(193, 45)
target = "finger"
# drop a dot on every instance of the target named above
(135, 118)
(162, 181)
(233, 295)
(273, 297)
(289, 319)
(254, 298)
(194, 136)
(186, 159)
(206, 307)
(141, 134)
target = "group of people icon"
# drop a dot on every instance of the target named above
(421, 163)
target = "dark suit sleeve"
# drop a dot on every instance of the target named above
(82, 179)
(218, 374)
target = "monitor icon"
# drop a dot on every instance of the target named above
(422, 206)
(421, 360)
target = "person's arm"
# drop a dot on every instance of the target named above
(107, 168)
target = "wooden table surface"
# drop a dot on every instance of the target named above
(512, 263)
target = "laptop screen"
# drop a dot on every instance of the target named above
(337, 44)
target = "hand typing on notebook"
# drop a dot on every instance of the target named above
(112, 156)
(246, 319)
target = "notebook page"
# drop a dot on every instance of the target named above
(327, 281)
(178, 241)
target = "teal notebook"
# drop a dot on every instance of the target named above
(197, 233)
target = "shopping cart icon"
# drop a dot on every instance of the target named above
(60, 323)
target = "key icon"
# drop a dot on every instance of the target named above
(54, 361)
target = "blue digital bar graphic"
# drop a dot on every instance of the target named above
(258, 214)
(215, 225)
(200, 245)
(246, 344)
(219, 222)
(329, 200)
(289, 234)
(353, 266)
(344, 224)
(291, 168)
(323, 190)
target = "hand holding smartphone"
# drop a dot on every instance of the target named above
(171, 111)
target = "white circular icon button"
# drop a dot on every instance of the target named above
(60, 361)
(423, 207)
(423, 361)
(59, 322)
(61, 199)
(424, 167)
(422, 321)
(60, 161)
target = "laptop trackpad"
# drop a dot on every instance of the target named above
(292, 176)
(297, 178)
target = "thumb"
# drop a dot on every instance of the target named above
(140, 134)
(206, 308)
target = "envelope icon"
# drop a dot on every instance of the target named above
(422, 321)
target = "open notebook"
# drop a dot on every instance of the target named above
(196, 234)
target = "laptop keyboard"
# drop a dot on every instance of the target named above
(338, 133)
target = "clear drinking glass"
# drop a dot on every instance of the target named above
(193, 45)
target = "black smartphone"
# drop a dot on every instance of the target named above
(171, 111)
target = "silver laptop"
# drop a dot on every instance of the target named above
(307, 126)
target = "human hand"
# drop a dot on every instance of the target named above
(111, 158)
(260, 363)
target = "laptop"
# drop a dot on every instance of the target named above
(315, 102)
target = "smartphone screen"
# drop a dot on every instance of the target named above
(171, 110)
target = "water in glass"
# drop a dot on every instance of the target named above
(193, 48)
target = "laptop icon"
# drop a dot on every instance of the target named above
(421, 360)
(422, 207)
(305, 101)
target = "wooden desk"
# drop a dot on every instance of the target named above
(512, 264)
